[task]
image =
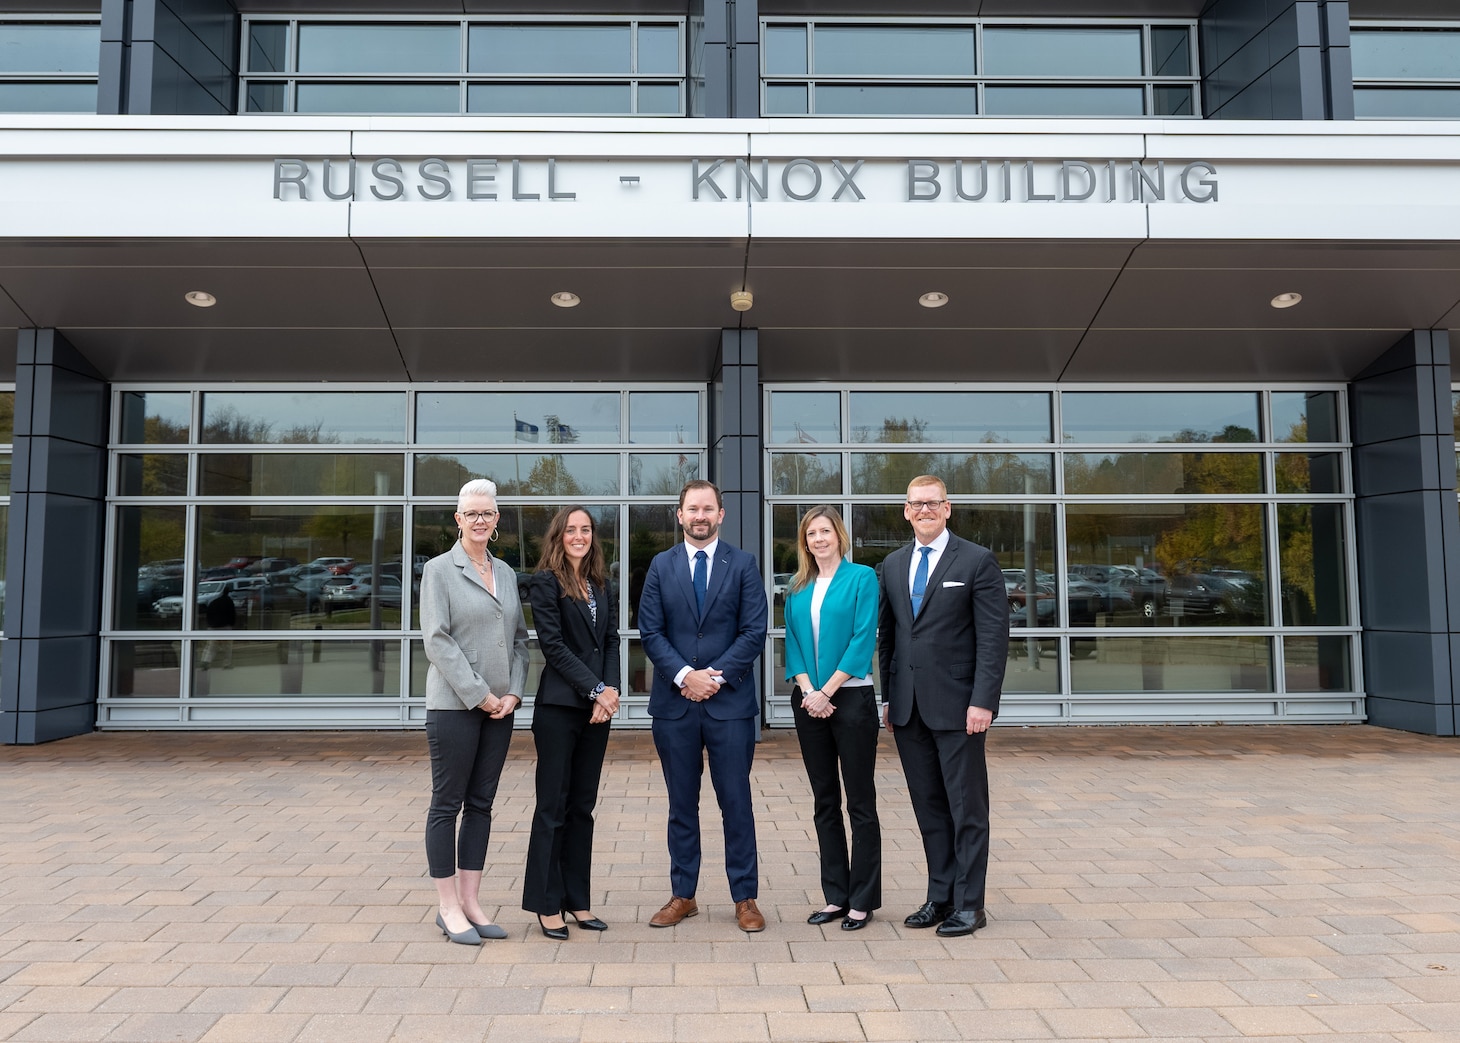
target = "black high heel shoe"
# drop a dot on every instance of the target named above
(557, 934)
(592, 923)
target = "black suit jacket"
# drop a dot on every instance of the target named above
(953, 655)
(579, 653)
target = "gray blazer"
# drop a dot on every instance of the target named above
(477, 643)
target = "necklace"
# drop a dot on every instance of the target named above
(479, 564)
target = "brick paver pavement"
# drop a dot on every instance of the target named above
(1202, 884)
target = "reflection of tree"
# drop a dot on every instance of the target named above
(549, 476)
(227, 426)
(805, 474)
(666, 480)
(1219, 535)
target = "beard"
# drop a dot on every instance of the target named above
(704, 529)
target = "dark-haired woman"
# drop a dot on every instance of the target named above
(577, 629)
(831, 632)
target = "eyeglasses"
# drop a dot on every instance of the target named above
(926, 505)
(473, 517)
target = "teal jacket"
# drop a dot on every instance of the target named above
(848, 627)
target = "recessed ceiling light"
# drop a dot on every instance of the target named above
(564, 299)
(200, 298)
(1286, 300)
(933, 299)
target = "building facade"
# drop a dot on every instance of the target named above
(1162, 288)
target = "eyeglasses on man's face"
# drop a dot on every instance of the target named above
(472, 517)
(926, 505)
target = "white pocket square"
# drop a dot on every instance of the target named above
(951, 583)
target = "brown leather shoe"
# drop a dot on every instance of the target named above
(675, 910)
(748, 916)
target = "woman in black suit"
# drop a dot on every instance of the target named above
(577, 629)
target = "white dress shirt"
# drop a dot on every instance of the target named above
(939, 545)
(692, 550)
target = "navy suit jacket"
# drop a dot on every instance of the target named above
(729, 637)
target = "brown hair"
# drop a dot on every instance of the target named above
(555, 558)
(699, 483)
(806, 567)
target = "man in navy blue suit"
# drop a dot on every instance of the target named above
(702, 618)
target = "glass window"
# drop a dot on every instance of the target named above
(808, 417)
(1322, 663)
(1199, 474)
(395, 47)
(1314, 550)
(5, 466)
(569, 475)
(786, 99)
(264, 96)
(1008, 529)
(1432, 54)
(664, 417)
(661, 474)
(149, 568)
(1000, 100)
(806, 474)
(1066, 52)
(269, 669)
(1170, 50)
(300, 474)
(965, 474)
(408, 98)
(1160, 416)
(268, 47)
(1309, 472)
(146, 669)
(1174, 101)
(563, 48)
(152, 474)
(38, 47)
(659, 51)
(1305, 416)
(548, 98)
(1407, 103)
(658, 99)
(47, 97)
(894, 50)
(155, 418)
(299, 417)
(785, 50)
(505, 417)
(652, 528)
(7, 417)
(943, 416)
(1170, 664)
(895, 100)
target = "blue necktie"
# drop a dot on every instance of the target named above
(702, 568)
(920, 581)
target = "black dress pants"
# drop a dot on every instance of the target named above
(560, 850)
(468, 749)
(845, 744)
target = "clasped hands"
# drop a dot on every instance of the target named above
(699, 685)
(605, 706)
(497, 708)
(817, 704)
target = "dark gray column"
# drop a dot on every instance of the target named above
(53, 566)
(169, 57)
(731, 58)
(1408, 537)
(1276, 59)
(735, 436)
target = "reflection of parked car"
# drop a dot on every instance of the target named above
(357, 591)
(780, 582)
(1207, 594)
(267, 565)
(339, 566)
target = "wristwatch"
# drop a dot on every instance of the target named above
(597, 691)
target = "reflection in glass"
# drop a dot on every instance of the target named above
(1170, 50)
(1309, 472)
(1305, 416)
(664, 417)
(53, 47)
(658, 50)
(48, 97)
(895, 100)
(805, 417)
(549, 49)
(785, 99)
(396, 47)
(4, 543)
(1197, 474)
(806, 474)
(154, 417)
(7, 417)
(1322, 663)
(652, 528)
(265, 96)
(148, 568)
(1160, 416)
(267, 46)
(1405, 53)
(300, 474)
(1173, 101)
(638, 672)
(661, 474)
(406, 98)
(288, 667)
(658, 99)
(569, 475)
(146, 669)
(785, 50)
(529, 99)
(965, 474)
(1174, 664)
(785, 519)
(1407, 103)
(505, 417)
(5, 463)
(1000, 100)
(1183, 564)
(950, 416)
(1313, 549)
(303, 417)
(152, 474)
(1033, 666)
(1068, 51)
(894, 50)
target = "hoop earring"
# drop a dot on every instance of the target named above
(494, 536)
(458, 532)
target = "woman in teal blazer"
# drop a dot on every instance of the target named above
(831, 633)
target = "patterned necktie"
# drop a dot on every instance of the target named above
(920, 581)
(700, 579)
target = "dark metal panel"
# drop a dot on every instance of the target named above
(178, 253)
(553, 354)
(254, 353)
(544, 253)
(902, 354)
(1146, 354)
(942, 253)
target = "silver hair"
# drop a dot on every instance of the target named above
(476, 487)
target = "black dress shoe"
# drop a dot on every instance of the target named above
(929, 914)
(588, 923)
(851, 923)
(964, 921)
(822, 916)
(557, 934)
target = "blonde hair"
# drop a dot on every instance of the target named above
(806, 567)
(929, 479)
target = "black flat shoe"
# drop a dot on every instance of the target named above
(850, 923)
(557, 934)
(822, 916)
(964, 921)
(590, 923)
(929, 914)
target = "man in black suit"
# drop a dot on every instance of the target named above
(943, 633)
